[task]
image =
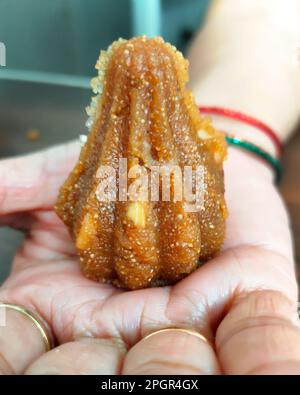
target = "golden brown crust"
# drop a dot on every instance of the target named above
(144, 113)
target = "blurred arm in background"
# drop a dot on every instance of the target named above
(247, 57)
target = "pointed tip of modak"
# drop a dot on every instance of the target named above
(152, 46)
(141, 47)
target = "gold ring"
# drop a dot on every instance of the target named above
(183, 330)
(38, 322)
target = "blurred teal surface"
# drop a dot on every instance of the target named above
(65, 36)
(146, 17)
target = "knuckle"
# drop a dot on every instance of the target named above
(260, 309)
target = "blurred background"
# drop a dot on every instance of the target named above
(51, 50)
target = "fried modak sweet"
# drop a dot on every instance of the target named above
(142, 113)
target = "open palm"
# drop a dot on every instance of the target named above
(255, 265)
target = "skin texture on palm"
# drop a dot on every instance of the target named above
(256, 260)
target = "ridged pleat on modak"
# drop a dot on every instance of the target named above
(144, 113)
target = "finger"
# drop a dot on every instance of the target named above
(47, 239)
(260, 335)
(31, 182)
(171, 351)
(85, 356)
(20, 342)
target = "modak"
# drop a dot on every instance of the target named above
(144, 126)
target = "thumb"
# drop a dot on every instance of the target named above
(32, 181)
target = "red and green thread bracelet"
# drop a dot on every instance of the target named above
(255, 149)
(247, 145)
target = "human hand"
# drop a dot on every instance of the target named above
(244, 301)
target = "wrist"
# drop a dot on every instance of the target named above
(241, 126)
(274, 105)
(246, 169)
(240, 61)
(253, 137)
